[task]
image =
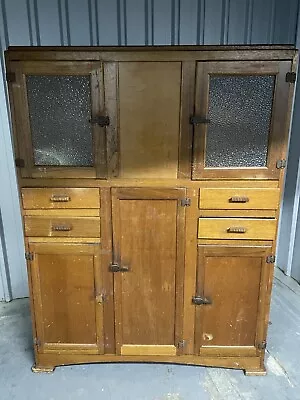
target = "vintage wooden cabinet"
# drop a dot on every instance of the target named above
(150, 182)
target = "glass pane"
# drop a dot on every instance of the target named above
(240, 110)
(60, 109)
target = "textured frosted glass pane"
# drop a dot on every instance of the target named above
(59, 109)
(240, 110)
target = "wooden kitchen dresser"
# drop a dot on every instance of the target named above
(150, 183)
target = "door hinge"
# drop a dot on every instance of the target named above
(28, 256)
(290, 77)
(19, 162)
(181, 344)
(197, 120)
(281, 164)
(262, 345)
(36, 342)
(270, 259)
(185, 202)
(11, 77)
(101, 120)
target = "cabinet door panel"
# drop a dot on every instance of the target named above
(243, 107)
(148, 240)
(232, 279)
(54, 104)
(66, 281)
(149, 101)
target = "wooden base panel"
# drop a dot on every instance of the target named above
(251, 365)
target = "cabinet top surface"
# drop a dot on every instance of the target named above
(262, 52)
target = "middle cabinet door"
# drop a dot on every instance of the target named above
(148, 267)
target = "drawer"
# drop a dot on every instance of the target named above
(56, 198)
(239, 198)
(59, 226)
(237, 228)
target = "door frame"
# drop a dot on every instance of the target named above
(38, 248)
(231, 249)
(20, 114)
(150, 194)
(278, 124)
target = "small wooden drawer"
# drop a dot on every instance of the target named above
(59, 226)
(56, 198)
(239, 198)
(237, 228)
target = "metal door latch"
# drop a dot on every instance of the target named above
(199, 300)
(114, 267)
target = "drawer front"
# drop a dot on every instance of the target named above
(56, 198)
(237, 228)
(239, 199)
(65, 227)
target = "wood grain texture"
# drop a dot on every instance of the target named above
(230, 277)
(218, 228)
(64, 289)
(62, 226)
(152, 350)
(38, 198)
(261, 199)
(146, 239)
(149, 105)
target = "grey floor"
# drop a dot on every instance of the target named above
(150, 381)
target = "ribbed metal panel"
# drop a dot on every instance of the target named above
(122, 22)
(146, 22)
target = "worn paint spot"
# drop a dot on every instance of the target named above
(170, 396)
(208, 336)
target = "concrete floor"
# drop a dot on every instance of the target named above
(150, 381)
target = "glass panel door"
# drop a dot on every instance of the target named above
(58, 129)
(238, 119)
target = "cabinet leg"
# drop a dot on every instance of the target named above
(45, 369)
(255, 372)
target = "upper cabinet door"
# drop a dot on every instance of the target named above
(149, 102)
(56, 108)
(240, 120)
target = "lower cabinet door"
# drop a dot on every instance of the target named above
(66, 290)
(148, 268)
(232, 286)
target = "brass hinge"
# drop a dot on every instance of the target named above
(270, 259)
(181, 344)
(281, 164)
(36, 342)
(262, 345)
(185, 202)
(20, 163)
(290, 77)
(11, 77)
(28, 256)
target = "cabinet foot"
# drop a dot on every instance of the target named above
(255, 372)
(39, 369)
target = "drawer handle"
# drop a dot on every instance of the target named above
(61, 228)
(60, 199)
(201, 300)
(238, 199)
(236, 229)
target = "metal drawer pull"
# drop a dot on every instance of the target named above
(60, 199)
(61, 228)
(236, 229)
(199, 300)
(238, 199)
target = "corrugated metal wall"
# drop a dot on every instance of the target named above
(122, 22)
